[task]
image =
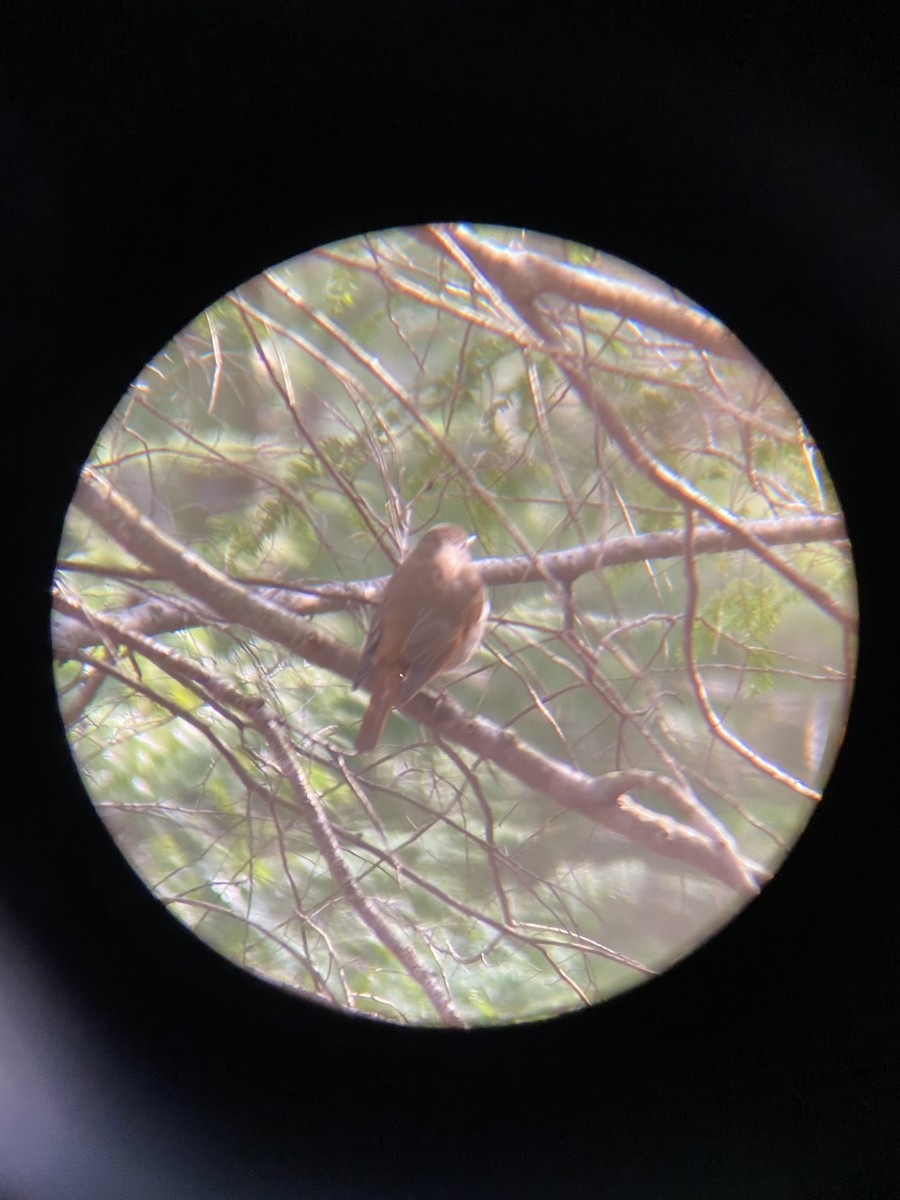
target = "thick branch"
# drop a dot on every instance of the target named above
(522, 275)
(161, 615)
(603, 799)
(231, 601)
(568, 565)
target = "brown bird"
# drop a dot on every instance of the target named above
(431, 619)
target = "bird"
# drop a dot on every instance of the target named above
(431, 619)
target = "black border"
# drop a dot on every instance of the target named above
(158, 157)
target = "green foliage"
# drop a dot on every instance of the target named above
(341, 290)
(742, 610)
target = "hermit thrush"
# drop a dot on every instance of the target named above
(431, 619)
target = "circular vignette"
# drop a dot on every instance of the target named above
(651, 714)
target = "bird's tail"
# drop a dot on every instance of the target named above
(385, 689)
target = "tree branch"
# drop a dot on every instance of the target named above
(162, 615)
(523, 275)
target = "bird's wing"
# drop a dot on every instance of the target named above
(363, 676)
(432, 646)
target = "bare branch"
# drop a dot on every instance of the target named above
(523, 276)
(159, 615)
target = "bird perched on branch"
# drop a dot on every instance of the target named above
(431, 619)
